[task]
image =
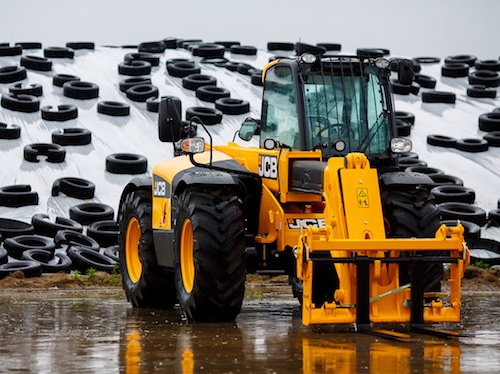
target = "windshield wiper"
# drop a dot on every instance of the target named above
(372, 132)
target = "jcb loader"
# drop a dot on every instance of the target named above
(322, 200)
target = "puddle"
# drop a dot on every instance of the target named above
(98, 331)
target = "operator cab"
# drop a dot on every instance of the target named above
(336, 104)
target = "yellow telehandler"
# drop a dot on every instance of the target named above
(322, 199)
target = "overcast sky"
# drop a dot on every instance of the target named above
(407, 28)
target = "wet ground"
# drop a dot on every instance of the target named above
(96, 331)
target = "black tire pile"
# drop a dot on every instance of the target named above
(87, 236)
(483, 77)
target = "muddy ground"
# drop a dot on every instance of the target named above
(474, 279)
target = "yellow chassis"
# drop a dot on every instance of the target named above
(367, 263)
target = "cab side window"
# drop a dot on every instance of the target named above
(279, 110)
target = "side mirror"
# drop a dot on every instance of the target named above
(170, 119)
(405, 72)
(248, 129)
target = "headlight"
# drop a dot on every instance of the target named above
(382, 63)
(193, 145)
(400, 145)
(308, 58)
(339, 145)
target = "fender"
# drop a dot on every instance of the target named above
(248, 187)
(139, 183)
(403, 178)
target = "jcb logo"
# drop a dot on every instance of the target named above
(161, 188)
(268, 167)
(296, 223)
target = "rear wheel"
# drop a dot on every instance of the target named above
(413, 214)
(146, 284)
(210, 258)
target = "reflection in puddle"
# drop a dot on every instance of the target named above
(95, 334)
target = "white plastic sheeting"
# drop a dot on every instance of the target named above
(137, 133)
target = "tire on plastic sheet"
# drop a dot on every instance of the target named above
(80, 90)
(425, 81)
(231, 106)
(80, 45)
(20, 103)
(34, 89)
(74, 238)
(129, 82)
(208, 116)
(142, 92)
(489, 121)
(59, 79)
(62, 113)
(441, 140)
(84, 258)
(472, 145)
(9, 131)
(470, 60)
(455, 70)
(405, 116)
(485, 77)
(54, 152)
(143, 56)
(181, 69)
(493, 138)
(16, 245)
(74, 187)
(7, 50)
(243, 50)
(494, 217)
(438, 97)
(87, 213)
(72, 136)
(12, 227)
(18, 195)
(43, 225)
(36, 63)
(10, 74)
(134, 68)
(58, 52)
(194, 81)
(211, 93)
(126, 163)
(104, 232)
(453, 193)
(152, 47)
(30, 269)
(427, 60)
(491, 65)
(467, 212)
(444, 179)
(481, 92)
(113, 108)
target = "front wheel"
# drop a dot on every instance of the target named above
(210, 258)
(146, 284)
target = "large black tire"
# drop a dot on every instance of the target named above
(210, 258)
(414, 214)
(146, 284)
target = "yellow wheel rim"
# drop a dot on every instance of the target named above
(134, 265)
(186, 255)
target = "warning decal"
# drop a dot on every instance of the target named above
(362, 194)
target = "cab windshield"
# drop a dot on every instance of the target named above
(344, 101)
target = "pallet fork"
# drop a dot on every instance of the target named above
(367, 263)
